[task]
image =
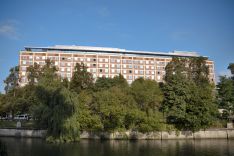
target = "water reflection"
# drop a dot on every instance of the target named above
(36, 147)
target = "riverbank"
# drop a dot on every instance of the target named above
(129, 135)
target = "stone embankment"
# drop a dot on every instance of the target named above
(23, 133)
(164, 135)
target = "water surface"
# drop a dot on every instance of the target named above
(38, 147)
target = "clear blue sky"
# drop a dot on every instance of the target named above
(205, 26)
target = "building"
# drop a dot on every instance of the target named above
(103, 62)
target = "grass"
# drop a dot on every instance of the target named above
(12, 124)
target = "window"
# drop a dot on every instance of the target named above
(147, 72)
(141, 72)
(135, 66)
(63, 58)
(30, 57)
(141, 67)
(43, 57)
(112, 60)
(24, 62)
(124, 65)
(68, 64)
(152, 72)
(112, 65)
(152, 67)
(62, 69)
(147, 62)
(152, 62)
(125, 76)
(118, 71)
(68, 69)
(118, 60)
(106, 70)
(112, 70)
(100, 60)
(94, 60)
(124, 71)
(88, 69)
(76, 58)
(130, 77)
(100, 65)
(147, 67)
(106, 60)
(94, 70)
(118, 65)
(159, 77)
(141, 61)
(56, 63)
(88, 65)
(130, 66)
(152, 77)
(23, 68)
(88, 59)
(81, 59)
(124, 61)
(106, 65)
(94, 65)
(136, 71)
(130, 71)
(100, 70)
(158, 72)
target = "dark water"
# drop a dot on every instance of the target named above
(38, 147)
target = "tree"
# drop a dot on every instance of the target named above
(226, 93)
(33, 73)
(55, 107)
(12, 81)
(231, 68)
(81, 79)
(103, 83)
(147, 94)
(189, 100)
(113, 105)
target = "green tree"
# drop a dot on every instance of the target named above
(231, 68)
(189, 100)
(12, 81)
(147, 94)
(112, 106)
(56, 106)
(226, 93)
(81, 79)
(33, 73)
(103, 83)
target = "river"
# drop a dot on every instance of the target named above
(38, 147)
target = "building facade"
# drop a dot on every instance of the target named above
(103, 62)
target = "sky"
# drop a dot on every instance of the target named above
(204, 26)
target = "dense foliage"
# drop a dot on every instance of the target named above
(185, 100)
(226, 94)
(188, 94)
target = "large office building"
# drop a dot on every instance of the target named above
(103, 62)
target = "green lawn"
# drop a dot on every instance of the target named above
(12, 124)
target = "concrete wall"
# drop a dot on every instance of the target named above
(22, 133)
(164, 135)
